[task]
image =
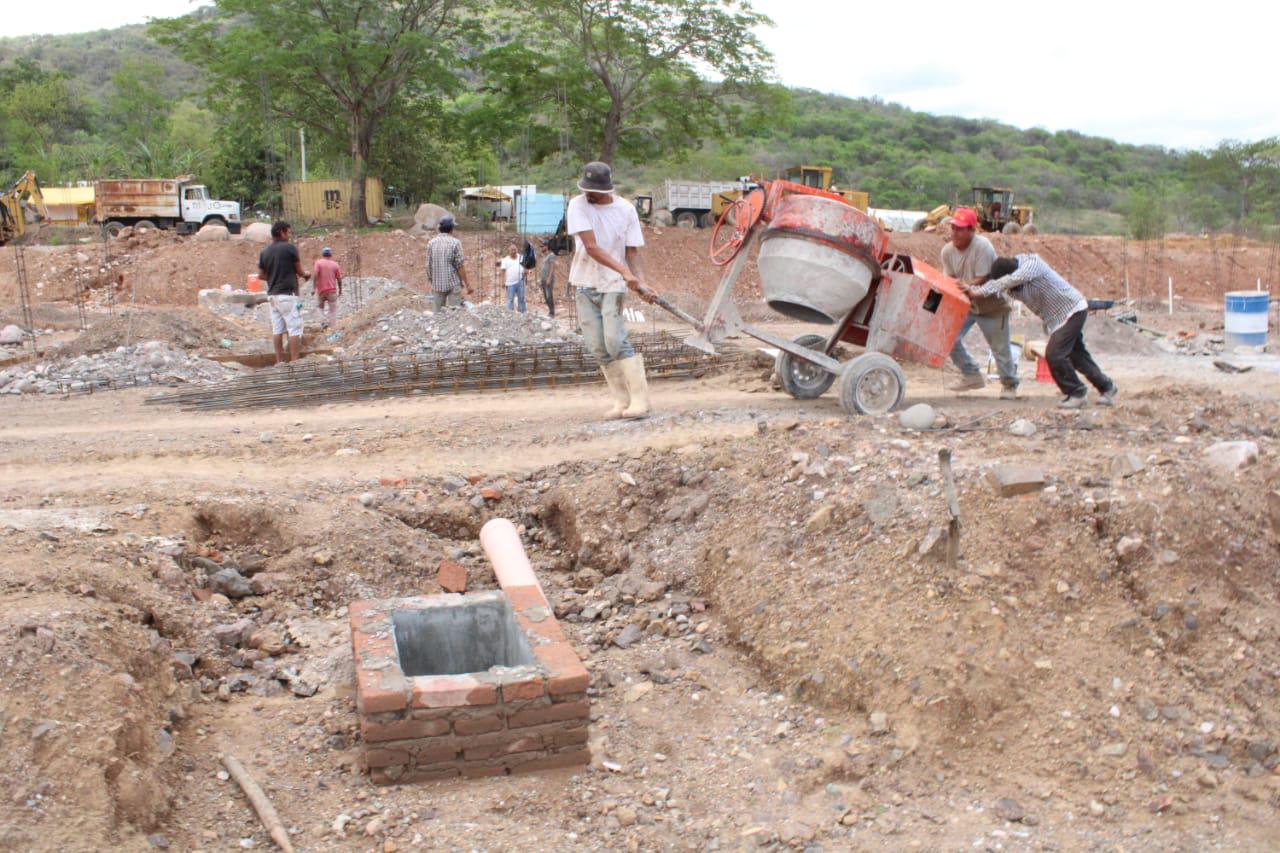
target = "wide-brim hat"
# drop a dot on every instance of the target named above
(597, 177)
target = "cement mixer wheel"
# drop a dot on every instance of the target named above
(802, 379)
(871, 384)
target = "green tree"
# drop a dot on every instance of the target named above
(137, 106)
(624, 74)
(337, 67)
(1147, 213)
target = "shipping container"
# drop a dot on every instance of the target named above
(305, 202)
(539, 213)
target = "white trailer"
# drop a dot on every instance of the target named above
(690, 203)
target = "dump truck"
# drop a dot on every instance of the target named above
(21, 202)
(688, 204)
(165, 203)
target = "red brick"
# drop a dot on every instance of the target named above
(402, 729)
(553, 714)
(571, 679)
(515, 691)
(436, 754)
(431, 774)
(491, 494)
(451, 577)
(387, 775)
(568, 697)
(524, 744)
(445, 691)
(477, 725)
(476, 771)
(384, 757)
(547, 629)
(380, 690)
(523, 597)
(571, 737)
(554, 762)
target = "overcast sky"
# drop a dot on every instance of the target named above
(1172, 74)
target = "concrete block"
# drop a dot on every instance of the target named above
(1010, 480)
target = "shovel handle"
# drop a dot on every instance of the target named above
(650, 295)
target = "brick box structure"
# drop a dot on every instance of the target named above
(481, 684)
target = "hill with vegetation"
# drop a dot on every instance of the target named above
(122, 102)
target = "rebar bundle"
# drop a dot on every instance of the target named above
(372, 378)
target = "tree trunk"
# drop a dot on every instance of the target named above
(612, 130)
(361, 143)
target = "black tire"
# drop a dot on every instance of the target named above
(663, 218)
(113, 228)
(706, 220)
(687, 219)
(799, 378)
(214, 220)
(1011, 228)
(872, 384)
(144, 223)
(920, 224)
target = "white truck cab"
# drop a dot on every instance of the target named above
(198, 208)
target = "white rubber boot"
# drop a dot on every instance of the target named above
(637, 387)
(618, 386)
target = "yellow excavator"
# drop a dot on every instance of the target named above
(22, 199)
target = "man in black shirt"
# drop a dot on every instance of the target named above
(280, 265)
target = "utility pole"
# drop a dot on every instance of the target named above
(302, 138)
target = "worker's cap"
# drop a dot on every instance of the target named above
(446, 222)
(326, 251)
(965, 217)
(596, 178)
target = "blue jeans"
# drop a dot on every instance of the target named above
(514, 292)
(996, 330)
(601, 324)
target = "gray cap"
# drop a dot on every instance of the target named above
(326, 251)
(446, 222)
(597, 177)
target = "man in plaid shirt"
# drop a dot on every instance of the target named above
(445, 268)
(1063, 310)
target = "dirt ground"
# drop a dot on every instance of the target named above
(1099, 671)
(780, 656)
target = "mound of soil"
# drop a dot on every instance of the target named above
(186, 329)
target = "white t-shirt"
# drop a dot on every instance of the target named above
(616, 227)
(515, 272)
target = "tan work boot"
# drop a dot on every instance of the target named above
(618, 386)
(637, 387)
(969, 382)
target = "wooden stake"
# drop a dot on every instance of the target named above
(953, 507)
(258, 799)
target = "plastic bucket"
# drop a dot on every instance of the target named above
(1043, 374)
(253, 284)
(1245, 318)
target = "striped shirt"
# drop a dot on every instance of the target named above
(1037, 286)
(444, 259)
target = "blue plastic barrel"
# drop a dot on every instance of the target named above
(1246, 318)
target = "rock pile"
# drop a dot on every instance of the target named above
(414, 327)
(151, 363)
(243, 305)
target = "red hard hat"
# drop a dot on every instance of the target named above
(964, 217)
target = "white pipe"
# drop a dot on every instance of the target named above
(501, 544)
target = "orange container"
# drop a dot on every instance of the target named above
(1043, 373)
(254, 284)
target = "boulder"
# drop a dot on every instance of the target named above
(10, 334)
(429, 216)
(213, 233)
(918, 417)
(257, 232)
(1231, 456)
(1011, 480)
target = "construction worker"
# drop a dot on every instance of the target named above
(280, 265)
(547, 278)
(514, 275)
(446, 271)
(1063, 310)
(326, 282)
(968, 258)
(606, 259)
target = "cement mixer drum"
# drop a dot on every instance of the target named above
(818, 258)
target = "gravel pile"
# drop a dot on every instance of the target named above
(371, 289)
(413, 327)
(150, 363)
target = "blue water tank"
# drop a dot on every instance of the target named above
(539, 213)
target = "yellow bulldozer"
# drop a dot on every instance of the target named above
(819, 177)
(24, 199)
(996, 212)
